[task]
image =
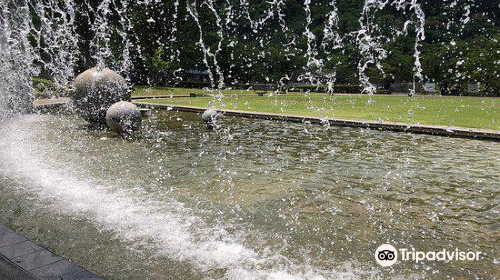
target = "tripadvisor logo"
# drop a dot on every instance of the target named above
(387, 255)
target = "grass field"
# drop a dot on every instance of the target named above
(144, 91)
(472, 112)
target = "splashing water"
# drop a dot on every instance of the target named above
(258, 201)
(258, 206)
(50, 44)
(16, 54)
(169, 228)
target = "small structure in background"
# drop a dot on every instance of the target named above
(407, 88)
(473, 88)
(262, 88)
(197, 76)
(124, 117)
(430, 87)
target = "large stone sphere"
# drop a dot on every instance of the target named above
(95, 91)
(123, 117)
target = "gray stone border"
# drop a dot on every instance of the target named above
(483, 134)
(21, 259)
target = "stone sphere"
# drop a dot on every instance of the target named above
(123, 117)
(210, 117)
(95, 91)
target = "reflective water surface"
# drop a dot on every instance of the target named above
(256, 200)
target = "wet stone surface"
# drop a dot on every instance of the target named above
(24, 260)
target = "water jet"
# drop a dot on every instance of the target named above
(211, 117)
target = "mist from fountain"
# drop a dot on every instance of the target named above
(16, 54)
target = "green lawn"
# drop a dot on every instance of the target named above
(144, 91)
(472, 112)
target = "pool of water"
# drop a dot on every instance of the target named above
(255, 200)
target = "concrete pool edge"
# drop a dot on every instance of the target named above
(483, 134)
(22, 259)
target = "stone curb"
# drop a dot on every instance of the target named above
(484, 134)
(49, 104)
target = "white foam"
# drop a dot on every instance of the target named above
(168, 228)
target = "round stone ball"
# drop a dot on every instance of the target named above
(210, 117)
(95, 91)
(123, 117)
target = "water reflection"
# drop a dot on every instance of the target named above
(258, 199)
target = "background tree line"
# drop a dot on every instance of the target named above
(461, 43)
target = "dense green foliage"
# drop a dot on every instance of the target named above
(461, 44)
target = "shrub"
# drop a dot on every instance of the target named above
(383, 91)
(44, 88)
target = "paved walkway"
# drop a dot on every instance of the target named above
(51, 101)
(21, 259)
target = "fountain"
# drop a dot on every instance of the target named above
(123, 117)
(211, 118)
(95, 91)
(15, 65)
(254, 199)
